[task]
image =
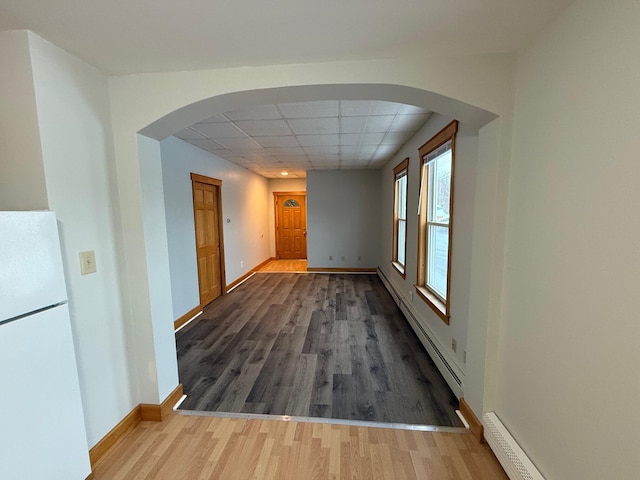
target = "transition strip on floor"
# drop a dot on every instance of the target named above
(331, 421)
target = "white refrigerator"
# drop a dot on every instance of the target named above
(42, 430)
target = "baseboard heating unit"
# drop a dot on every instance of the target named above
(512, 458)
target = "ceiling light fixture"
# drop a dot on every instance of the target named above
(284, 174)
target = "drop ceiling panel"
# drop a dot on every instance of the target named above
(226, 154)
(371, 138)
(284, 151)
(239, 144)
(412, 110)
(264, 128)
(299, 166)
(371, 124)
(350, 148)
(217, 118)
(276, 164)
(349, 139)
(259, 156)
(408, 123)
(320, 150)
(378, 123)
(206, 144)
(188, 134)
(259, 112)
(218, 130)
(318, 140)
(312, 126)
(277, 141)
(324, 158)
(361, 139)
(367, 149)
(318, 109)
(292, 159)
(385, 108)
(242, 161)
(295, 137)
(355, 108)
(352, 124)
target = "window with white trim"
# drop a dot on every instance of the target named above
(434, 222)
(400, 176)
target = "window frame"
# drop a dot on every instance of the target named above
(401, 170)
(430, 297)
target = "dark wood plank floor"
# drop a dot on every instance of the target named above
(318, 345)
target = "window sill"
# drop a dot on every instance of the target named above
(399, 268)
(437, 305)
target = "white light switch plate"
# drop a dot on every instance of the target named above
(87, 262)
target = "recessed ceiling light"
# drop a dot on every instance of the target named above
(284, 174)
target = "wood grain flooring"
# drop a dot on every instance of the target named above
(285, 266)
(192, 447)
(311, 345)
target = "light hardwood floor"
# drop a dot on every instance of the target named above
(285, 266)
(195, 447)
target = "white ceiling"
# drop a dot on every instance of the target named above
(133, 36)
(136, 36)
(296, 137)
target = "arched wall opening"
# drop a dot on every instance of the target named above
(145, 242)
(183, 117)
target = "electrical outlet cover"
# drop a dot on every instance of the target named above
(87, 262)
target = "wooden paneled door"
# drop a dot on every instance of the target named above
(207, 212)
(291, 225)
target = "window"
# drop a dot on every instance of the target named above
(437, 159)
(400, 216)
(291, 203)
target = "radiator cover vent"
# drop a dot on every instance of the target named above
(512, 458)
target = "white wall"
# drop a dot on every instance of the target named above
(22, 184)
(464, 190)
(245, 202)
(77, 153)
(343, 218)
(568, 381)
(487, 262)
(157, 367)
(281, 185)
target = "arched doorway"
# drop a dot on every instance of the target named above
(146, 157)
